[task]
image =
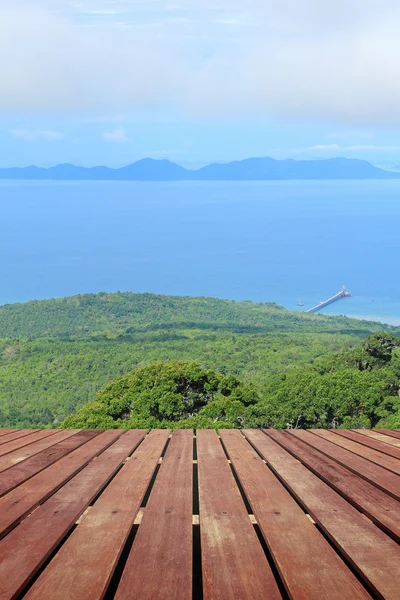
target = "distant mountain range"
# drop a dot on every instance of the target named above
(250, 169)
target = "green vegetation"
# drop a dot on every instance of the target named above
(56, 354)
(174, 394)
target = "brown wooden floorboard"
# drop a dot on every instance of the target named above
(385, 480)
(15, 434)
(25, 440)
(376, 504)
(325, 522)
(22, 500)
(308, 565)
(386, 439)
(5, 432)
(390, 432)
(371, 443)
(26, 548)
(32, 466)
(13, 458)
(371, 552)
(387, 462)
(96, 544)
(159, 565)
(233, 561)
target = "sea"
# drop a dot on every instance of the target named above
(290, 242)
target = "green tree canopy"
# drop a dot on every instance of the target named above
(171, 394)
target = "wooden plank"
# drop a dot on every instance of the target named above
(24, 440)
(13, 458)
(371, 552)
(26, 497)
(159, 566)
(309, 567)
(390, 432)
(387, 462)
(15, 434)
(370, 442)
(386, 439)
(385, 480)
(28, 546)
(233, 561)
(373, 502)
(5, 431)
(111, 519)
(28, 468)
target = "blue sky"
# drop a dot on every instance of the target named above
(112, 81)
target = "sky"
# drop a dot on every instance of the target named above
(194, 81)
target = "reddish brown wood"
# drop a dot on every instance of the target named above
(109, 520)
(390, 432)
(5, 431)
(15, 505)
(370, 442)
(385, 480)
(24, 440)
(309, 567)
(14, 434)
(372, 553)
(159, 565)
(376, 504)
(233, 561)
(386, 439)
(17, 456)
(28, 468)
(26, 548)
(374, 456)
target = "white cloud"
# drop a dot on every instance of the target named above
(117, 136)
(37, 136)
(300, 59)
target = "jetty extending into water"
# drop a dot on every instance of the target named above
(342, 294)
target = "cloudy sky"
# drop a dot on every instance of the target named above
(112, 81)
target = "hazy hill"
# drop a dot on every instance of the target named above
(261, 169)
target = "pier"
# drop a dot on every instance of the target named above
(342, 294)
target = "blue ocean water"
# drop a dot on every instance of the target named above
(261, 241)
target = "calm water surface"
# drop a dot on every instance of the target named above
(261, 241)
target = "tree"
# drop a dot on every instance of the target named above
(165, 395)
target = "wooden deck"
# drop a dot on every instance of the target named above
(258, 515)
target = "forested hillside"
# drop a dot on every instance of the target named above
(55, 354)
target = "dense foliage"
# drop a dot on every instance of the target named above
(359, 388)
(55, 355)
(173, 394)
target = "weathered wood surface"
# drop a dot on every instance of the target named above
(22, 500)
(22, 471)
(376, 435)
(8, 446)
(385, 480)
(353, 535)
(387, 462)
(98, 514)
(96, 545)
(390, 433)
(373, 502)
(307, 563)
(14, 434)
(234, 564)
(370, 442)
(159, 565)
(13, 458)
(25, 549)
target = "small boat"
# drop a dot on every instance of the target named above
(300, 303)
